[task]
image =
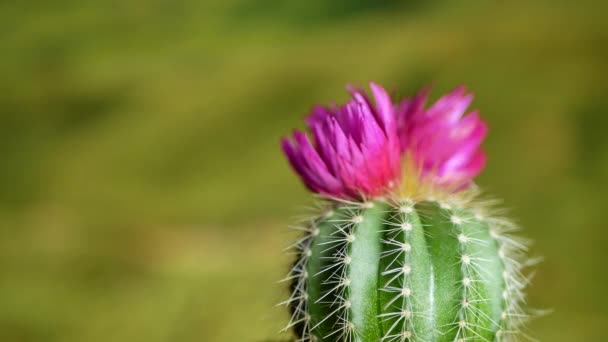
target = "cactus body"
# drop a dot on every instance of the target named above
(407, 271)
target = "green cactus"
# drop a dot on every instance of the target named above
(408, 270)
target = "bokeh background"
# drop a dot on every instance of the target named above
(143, 196)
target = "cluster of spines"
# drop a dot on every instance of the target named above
(335, 295)
(512, 252)
(337, 284)
(468, 310)
(297, 278)
(397, 281)
(298, 302)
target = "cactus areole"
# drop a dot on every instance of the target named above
(402, 247)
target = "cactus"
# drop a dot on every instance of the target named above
(417, 257)
(419, 270)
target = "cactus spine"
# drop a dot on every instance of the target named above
(408, 270)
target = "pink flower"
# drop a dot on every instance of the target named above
(443, 143)
(356, 147)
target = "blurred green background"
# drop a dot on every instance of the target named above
(143, 195)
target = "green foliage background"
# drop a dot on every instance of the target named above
(143, 196)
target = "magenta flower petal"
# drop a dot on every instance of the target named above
(385, 113)
(356, 147)
(444, 143)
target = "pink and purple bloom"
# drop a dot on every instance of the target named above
(444, 143)
(356, 147)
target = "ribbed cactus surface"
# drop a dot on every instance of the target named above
(407, 271)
